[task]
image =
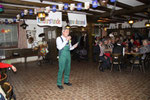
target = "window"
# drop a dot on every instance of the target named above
(8, 35)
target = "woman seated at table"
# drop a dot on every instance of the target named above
(103, 57)
(145, 48)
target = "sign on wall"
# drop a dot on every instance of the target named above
(77, 19)
(53, 19)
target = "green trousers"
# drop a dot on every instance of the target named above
(64, 65)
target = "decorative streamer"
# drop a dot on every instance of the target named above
(54, 8)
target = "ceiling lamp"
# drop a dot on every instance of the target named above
(103, 2)
(147, 24)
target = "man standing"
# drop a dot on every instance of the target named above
(64, 46)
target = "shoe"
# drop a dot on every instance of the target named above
(69, 84)
(60, 86)
(101, 69)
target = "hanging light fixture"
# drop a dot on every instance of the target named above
(131, 22)
(147, 24)
(103, 2)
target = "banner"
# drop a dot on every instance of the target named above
(53, 19)
(77, 19)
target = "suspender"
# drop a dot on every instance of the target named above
(61, 39)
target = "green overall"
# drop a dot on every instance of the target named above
(64, 64)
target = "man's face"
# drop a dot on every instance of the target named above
(66, 33)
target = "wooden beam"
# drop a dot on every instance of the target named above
(121, 5)
(144, 1)
(126, 12)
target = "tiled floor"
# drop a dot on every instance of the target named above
(39, 83)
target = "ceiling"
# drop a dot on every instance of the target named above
(123, 11)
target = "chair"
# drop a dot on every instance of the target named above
(99, 64)
(136, 60)
(147, 60)
(116, 60)
(7, 88)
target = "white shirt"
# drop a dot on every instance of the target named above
(61, 44)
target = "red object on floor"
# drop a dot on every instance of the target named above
(4, 65)
(108, 55)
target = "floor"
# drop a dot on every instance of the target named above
(34, 82)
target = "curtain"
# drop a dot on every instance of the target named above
(22, 38)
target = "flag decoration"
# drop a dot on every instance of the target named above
(30, 12)
(35, 11)
(6, 21)
(79, 6)
(18, 16)
(22, 14)
(47, 9)
(66, 6)
(54, 8)
(86, 5)
(60, 6)
(14, 20)
(72, 6)
(25, 12)
(94, 3)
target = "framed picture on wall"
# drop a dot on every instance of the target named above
(128, 33)
(31, 33)
(122, 32)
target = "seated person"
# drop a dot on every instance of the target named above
(118, 49)
(104, 58)
(145, 48)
